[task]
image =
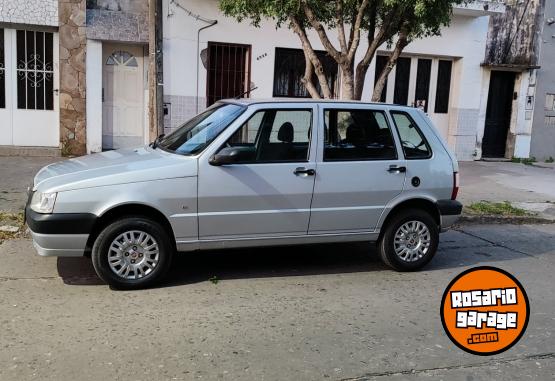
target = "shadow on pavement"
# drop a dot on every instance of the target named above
(343, 258)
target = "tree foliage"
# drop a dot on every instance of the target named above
(392, 22)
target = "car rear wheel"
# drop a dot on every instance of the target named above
(409, 241)
(132, 253)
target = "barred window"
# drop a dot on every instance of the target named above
(35, 70)
(289, 72)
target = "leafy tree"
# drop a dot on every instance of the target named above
(395, 22)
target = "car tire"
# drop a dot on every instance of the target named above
(409, 241)
(137, 248)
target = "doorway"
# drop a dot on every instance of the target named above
(122, 96)
(498, 114)
(228, 71)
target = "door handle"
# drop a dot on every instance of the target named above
(304, 171)
(396, 169)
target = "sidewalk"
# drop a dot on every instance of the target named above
(531, 187)
(16, 174)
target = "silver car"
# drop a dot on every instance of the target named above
(248, 173)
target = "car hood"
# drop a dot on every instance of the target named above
(112, 168)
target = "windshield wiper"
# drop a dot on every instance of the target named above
(157, 141)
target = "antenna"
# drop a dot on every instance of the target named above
(246, 92)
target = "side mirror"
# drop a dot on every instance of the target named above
(228, 155)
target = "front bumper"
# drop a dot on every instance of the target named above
(60, 245)
(60, 234)
(449, 211)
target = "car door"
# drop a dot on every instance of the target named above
(268, 191)
(360, 169)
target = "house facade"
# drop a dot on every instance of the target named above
(542, 136)
(75, 74)
(208, 56)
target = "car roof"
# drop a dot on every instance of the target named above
(252, 101)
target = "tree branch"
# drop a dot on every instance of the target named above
(312, 60)
(322, 33)
(356, 30)
(402, 42)
(340, 25)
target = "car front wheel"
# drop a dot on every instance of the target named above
(132, 253)
(409, 241)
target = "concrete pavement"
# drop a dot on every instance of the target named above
(305, 313)
(529, 187)
(17, 174)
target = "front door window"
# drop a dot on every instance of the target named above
(272, 136)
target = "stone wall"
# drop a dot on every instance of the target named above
(35, 12)
(73, 42)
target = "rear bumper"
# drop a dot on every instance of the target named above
(449, 212)
(60, 234)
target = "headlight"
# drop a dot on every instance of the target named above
(43, 202)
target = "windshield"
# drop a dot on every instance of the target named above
(196, 134)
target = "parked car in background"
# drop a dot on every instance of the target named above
(252, 173)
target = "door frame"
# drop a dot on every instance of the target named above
(143, 58)
(510, 110)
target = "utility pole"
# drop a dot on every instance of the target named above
(155, 72)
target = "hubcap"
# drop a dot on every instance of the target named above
(133, 255)
(412, 241)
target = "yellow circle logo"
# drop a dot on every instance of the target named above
(485, 311)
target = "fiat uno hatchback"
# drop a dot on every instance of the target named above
(251, 173)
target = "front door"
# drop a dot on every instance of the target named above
(498, 114)
(123, 96)
(359, 171)
(29, 112)
(268, 192)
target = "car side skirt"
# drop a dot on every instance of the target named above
(275, 241)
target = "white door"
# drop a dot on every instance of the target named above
(29, 111)
(123, 95)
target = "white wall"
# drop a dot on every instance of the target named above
(464, 40)
(94, 96)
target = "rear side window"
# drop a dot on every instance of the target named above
(413, 141)
(357, 135)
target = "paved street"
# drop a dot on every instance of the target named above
(324, 312)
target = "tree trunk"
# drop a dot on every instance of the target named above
(362, 69)
(347, 82)
(402, 42)
(307, 79)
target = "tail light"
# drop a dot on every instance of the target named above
(455, 186)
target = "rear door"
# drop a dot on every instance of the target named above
(359, 169)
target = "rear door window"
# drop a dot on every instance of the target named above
(357, 135)
(415, 145)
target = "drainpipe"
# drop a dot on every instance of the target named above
(210, 23)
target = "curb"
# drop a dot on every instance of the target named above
(504, 220)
